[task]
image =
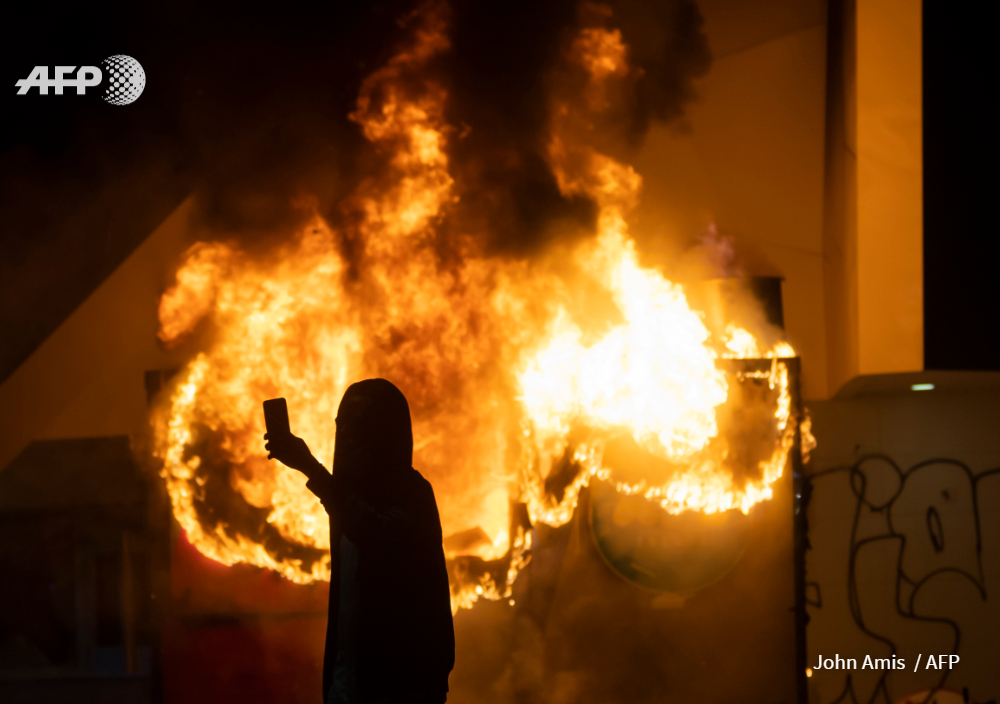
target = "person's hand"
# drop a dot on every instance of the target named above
(292, 452)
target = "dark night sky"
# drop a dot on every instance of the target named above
(961, 283)
(244, 90)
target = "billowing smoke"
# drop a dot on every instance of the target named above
(502, 71)
(295, 138)
(249, 107)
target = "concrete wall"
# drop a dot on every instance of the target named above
(904, 524)
(804, 144)
(873, 213)
(748, 156)
(87, 378)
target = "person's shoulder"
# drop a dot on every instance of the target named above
(417, 479)
(419, 484)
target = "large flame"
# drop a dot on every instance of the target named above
(513, 383)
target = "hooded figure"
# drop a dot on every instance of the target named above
(390, 637)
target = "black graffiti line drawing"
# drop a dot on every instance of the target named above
(858, 481)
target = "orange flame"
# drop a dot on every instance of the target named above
(502, 376)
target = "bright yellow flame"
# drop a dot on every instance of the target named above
(808, 439)
(741, 344)
(502, 377)
(652, 374)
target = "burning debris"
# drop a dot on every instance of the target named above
(526, 377)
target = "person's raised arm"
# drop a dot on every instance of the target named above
(363, 523)
(293, 452)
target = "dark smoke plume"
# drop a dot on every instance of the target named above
(247, 106)
(293, 137)
(500, 72)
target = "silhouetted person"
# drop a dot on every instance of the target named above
(390, 637)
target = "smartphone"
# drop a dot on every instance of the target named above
(276, 416)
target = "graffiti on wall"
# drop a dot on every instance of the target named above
(904, 564)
